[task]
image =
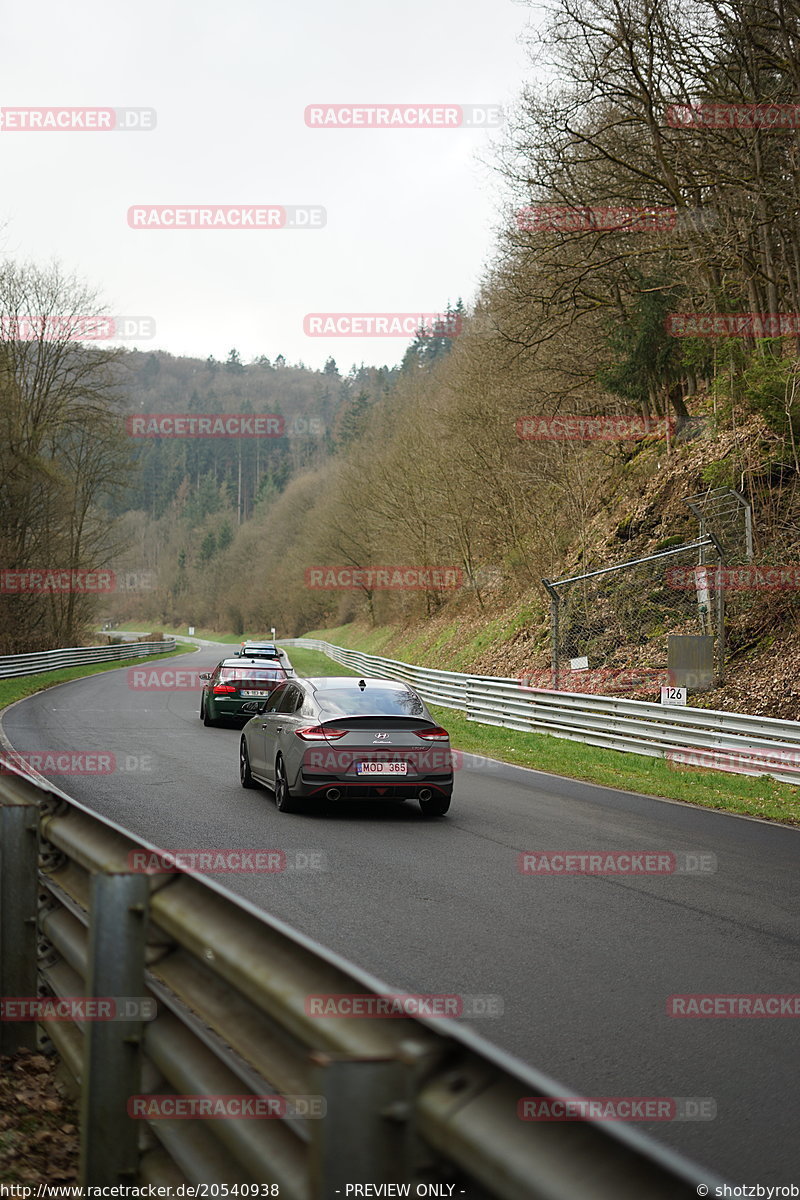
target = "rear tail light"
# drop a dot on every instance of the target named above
(318, 733)
(434, 734)
(223, 689)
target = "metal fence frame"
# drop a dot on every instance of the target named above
(713, 507)
(14, 665)
(405, 1100)
(701, 545)
(759, 745)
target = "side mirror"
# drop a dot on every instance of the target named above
(205, 675)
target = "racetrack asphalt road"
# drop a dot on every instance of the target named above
(584, 964)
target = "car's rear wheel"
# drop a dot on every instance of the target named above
(437, 806)
(206, 718)
(284, 800)
(245, 777)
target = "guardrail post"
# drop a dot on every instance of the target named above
(112, 1058)
(19, 889)
(364, 1134)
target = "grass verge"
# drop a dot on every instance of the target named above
(22, 686)
(453, 647)
(314, 662)
(209, 635)
(754, 797)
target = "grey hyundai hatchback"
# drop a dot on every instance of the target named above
(347, 739)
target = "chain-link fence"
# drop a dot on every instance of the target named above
(610, 628)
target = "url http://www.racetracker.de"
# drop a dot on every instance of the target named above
(213, 1191)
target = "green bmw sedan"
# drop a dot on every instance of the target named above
(237, 682)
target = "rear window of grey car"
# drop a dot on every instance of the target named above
(377, 701)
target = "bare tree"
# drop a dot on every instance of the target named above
(62, 448)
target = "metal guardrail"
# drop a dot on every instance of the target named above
(702, 737)
(409, 1100)
(14, 665)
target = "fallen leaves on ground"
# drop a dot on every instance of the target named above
(38, 1122)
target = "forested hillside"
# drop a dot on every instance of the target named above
(577, 315)
(632, 207)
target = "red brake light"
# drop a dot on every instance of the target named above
(434, 734)
(223, 689)
(318, 733)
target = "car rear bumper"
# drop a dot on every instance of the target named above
(309, 786)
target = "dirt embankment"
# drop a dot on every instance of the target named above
(639, 507)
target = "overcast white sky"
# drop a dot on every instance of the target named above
(411, 213)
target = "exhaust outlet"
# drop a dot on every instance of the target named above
(332, 794)
(426, 794)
